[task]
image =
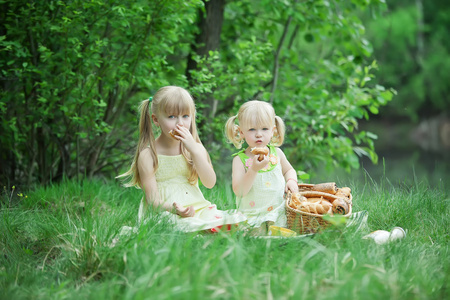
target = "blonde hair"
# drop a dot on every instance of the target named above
(168, 100)
(254, 113)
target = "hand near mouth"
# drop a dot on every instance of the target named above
(184, 135)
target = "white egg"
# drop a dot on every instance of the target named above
(397, 233)
(378, 236)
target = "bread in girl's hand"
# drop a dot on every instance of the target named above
(261, 151)
(174, 133)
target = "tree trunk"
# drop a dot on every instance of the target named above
(208, 39)
(42, 161)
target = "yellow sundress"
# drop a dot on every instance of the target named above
(173, 185)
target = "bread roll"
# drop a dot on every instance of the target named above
(327, 206)
(345, 191)
(321, 210)
(304, 207)
(314, 200)
(305, 186)
(316, 194)
(294, 203)
(313, 208)
(262, 151)
(327, 187)
(321, 203)
(340, 207)
(174, 134)
(296, 200)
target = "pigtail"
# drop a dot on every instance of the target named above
(232, 132)
(278, 136)
(146, 139)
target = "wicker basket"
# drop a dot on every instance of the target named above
(303, 222)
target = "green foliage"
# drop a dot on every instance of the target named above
(307, 58)
(74, 72)
(70, 68)
(410, 44)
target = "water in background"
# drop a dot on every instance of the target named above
(408, 154)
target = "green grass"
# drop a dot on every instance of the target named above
(55, 245)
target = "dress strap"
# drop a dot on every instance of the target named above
(242, 156)
(273, 150)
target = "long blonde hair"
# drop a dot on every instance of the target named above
(169, 100)
(254, 113)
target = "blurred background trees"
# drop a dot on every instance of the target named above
(412, 47)
(73, 74)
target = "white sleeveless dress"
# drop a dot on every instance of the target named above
(264, 202)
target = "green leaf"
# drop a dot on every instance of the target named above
(373, 109)
(303, 175)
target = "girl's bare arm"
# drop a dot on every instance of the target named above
(148, 182)
(204, 168)
(289, 173)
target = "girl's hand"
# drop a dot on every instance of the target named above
(258, 165)
(292, 186)
(199, 156)
(186, 138)
(184, 212)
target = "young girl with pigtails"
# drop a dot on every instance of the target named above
(169, 166)
(260, 183)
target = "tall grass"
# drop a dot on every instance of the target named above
(55, 244)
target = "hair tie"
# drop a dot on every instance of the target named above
(150, 99)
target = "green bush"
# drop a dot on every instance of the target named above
(73, 73)
(70, 69)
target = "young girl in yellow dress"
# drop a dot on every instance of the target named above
(260, 185)
(168, 168)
